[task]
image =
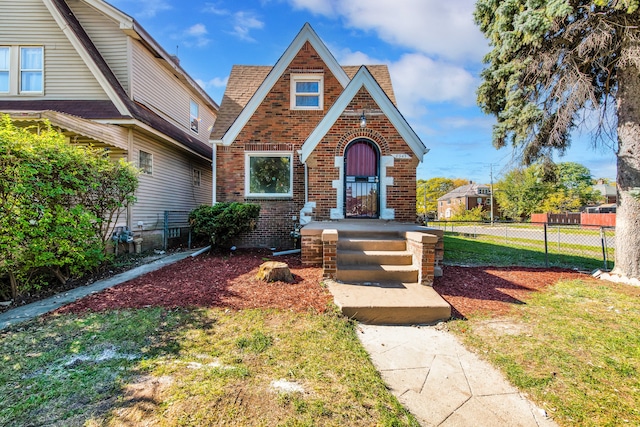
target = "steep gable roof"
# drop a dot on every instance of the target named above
(363, 78)
(244, 81)
(125, 107)
(305, 35)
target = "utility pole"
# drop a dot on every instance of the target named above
(491, 193)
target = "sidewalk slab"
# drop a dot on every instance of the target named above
(38, 308)
(443, 384)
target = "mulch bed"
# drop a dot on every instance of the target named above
(214, 281)
(494, 290)
(229, 281)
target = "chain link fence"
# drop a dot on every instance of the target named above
(565, 245)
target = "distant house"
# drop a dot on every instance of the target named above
(313, 141)
(101, 79)
(465, 197)
(608, 191)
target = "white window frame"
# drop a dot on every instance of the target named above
(194, 120)
(247, 173)
(143, 169)
(197, 177)
(31, 70)
(301, 78)
(8, 69)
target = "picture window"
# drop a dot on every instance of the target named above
(268, 174)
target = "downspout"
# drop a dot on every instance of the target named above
(130, 160)
(214, 172)
(306, 184)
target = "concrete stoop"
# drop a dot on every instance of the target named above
(376, 281)
(388, 304)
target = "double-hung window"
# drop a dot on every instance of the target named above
(145, 162)
(307, 91)
(194, 115)
(5, 63)
(268, 174)
(31, 69)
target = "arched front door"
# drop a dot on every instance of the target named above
(362, 183)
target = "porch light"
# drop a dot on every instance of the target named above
(363, 121)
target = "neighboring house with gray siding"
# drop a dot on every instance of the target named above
(101, 79)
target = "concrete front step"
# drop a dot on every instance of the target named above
(376, 273)
(399, 304)
(369, 257)
(371, 244)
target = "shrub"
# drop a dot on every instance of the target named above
(49, 213)
(224, 221)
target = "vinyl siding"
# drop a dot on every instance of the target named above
(107, 36)
(28, 22)
(170, 187)
(159, 89)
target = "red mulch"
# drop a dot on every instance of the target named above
(217, 281)
(214, 281)
(494, 290)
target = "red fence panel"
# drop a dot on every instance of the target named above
(598, 219)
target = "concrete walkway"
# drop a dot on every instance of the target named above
(444, 384)
(29, 311)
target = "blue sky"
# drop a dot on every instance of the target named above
(432, 47)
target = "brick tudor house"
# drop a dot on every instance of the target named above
(319, 145)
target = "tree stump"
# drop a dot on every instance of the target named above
(274, 271)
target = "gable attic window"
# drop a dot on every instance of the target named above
(4, 69)
(194, 116)
(307, 91)
(145, 162)
(268, 174)
(31, 69)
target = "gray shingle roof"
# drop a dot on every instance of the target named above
(469, 190)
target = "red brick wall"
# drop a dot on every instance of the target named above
(275, 127)
(322, 171)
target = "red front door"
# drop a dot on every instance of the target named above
(362, 180)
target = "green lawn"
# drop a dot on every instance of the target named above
(191, 368)
(576, 351)
(492, 250)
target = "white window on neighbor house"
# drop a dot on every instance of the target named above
(194, 116)
(197, 176)
(307, 91)
(479, 200)
(447, 213)
(5, 64)
(268, 174)
(145, 162)
(31, 69)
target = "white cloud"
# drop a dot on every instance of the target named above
(216, 82)
(244, 22)
(437, 28)
(145, 8)
(418, 79)
(319, 7)
(196, 35)
(212, 8)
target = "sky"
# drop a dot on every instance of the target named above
(433, 50)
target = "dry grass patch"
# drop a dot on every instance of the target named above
(202, 367)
